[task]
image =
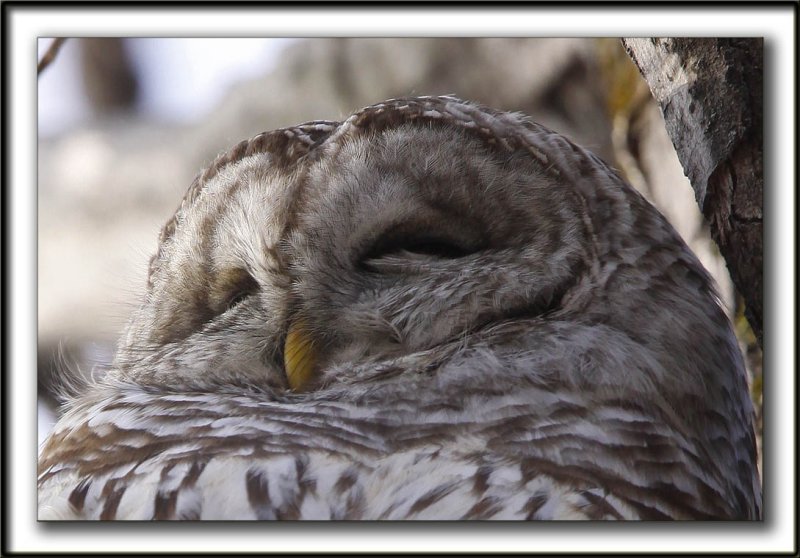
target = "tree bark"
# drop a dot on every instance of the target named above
(710, 92)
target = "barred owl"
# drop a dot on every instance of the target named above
(432, 309)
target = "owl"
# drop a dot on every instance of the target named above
(430, 310)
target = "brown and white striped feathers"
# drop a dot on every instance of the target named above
(430, 310)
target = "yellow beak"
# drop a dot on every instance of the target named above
(299, 356)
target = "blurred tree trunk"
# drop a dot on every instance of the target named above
(109, 79)
(710, 92)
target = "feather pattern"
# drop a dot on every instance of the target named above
(501, 328)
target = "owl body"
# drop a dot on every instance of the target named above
(432, 310)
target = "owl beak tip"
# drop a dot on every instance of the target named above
(300, 356)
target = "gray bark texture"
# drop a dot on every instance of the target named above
(711, 95)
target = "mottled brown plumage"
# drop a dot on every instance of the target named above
(430, 310)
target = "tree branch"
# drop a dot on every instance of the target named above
(710, 92)
(50, 55)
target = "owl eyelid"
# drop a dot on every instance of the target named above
(240, 285)
(427, 247)
(237, 299)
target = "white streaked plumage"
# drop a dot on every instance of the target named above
(432, 310)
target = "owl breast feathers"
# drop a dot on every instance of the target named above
(430, 310)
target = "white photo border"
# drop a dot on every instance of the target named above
(23, 23)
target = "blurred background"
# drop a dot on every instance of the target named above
(125, 124)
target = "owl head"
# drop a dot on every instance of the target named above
(307, 254)
(436, 257)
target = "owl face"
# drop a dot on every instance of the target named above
(313, 254)
(390, 242)
(430, 290)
